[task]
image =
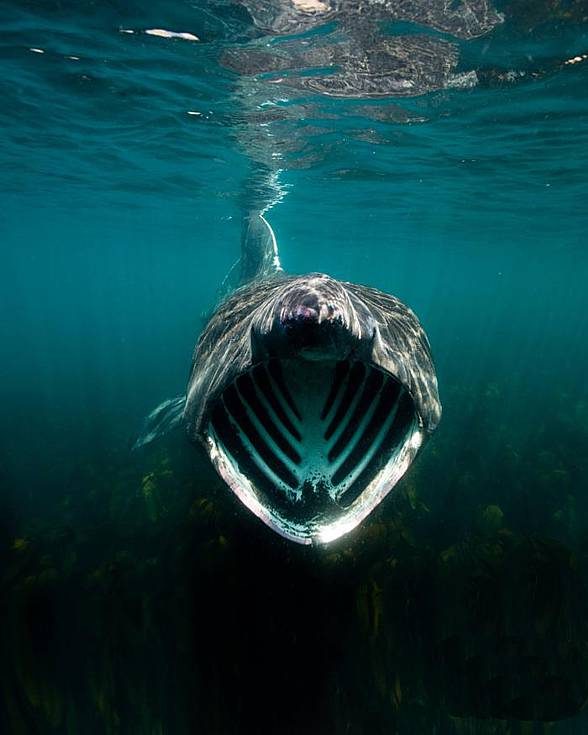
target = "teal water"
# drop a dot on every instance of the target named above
(139, 597)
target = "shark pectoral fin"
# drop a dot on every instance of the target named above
(161, 420)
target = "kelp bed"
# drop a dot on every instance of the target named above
(152, 602)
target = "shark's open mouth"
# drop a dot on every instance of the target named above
(312, 446)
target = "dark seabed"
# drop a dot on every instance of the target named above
(435, 150)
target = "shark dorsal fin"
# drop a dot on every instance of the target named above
(259, 249)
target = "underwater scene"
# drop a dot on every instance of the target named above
(294, 336)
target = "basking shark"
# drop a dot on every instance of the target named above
(312, 396)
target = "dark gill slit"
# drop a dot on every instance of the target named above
(262, 381)
(369, 393)
(238, 411)
(388, 398)
(395, 435)
(356, 375)
(275, 372)
(247, 390)
(341, 370)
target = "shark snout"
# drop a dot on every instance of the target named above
(307, 329)
(313, 319)
(311, 309)
(302, 312)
